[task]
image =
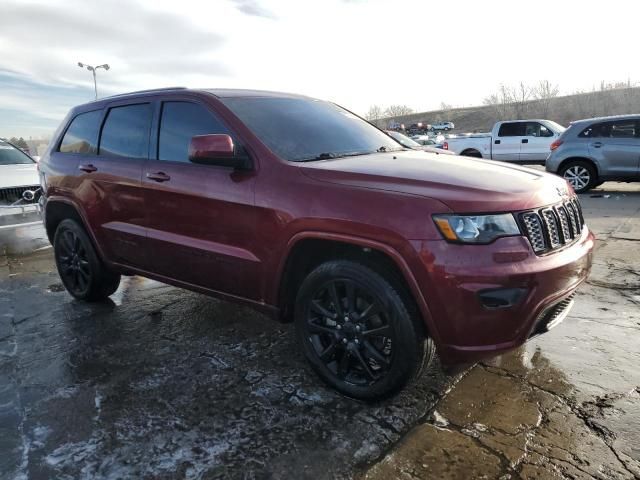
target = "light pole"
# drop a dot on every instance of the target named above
(93, 70)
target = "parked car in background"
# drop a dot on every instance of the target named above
(446, 126)
(310, 214)
(19, 187)
(595, 150)
(416, 145)
(519, 141)
(418, 128)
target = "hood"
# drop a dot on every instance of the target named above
(463, 184)
(19, 175)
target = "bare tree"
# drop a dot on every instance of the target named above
(521, 96)
(445, 107)
(544, 92)
(501, 103)
(375, 112)
(393, 111)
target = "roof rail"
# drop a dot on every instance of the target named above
(151, 90)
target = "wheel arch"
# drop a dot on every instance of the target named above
(588, 160)
(472, 152)
(58, 209)
(308, 250)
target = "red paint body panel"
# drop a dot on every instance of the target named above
(229, 233)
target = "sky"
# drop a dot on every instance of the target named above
(354, 52)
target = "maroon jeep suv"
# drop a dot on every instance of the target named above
(379, 254)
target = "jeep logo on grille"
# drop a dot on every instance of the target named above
(562, 191)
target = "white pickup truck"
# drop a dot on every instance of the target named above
(522, 141)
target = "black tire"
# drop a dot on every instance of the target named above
(365, 343)
(580, 174)
(472, 153)
(82, 273)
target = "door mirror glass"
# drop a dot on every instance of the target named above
(216, 149)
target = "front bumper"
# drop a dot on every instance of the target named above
(456, 276)
(19, 216)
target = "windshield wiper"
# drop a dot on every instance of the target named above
(329, 156)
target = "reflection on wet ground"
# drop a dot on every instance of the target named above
(567, 404)
(164, 383)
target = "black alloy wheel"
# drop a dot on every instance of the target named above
(356, 330)
(82, 273)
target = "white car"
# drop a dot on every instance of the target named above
(19, 187)
(519, 141)
(446, 126)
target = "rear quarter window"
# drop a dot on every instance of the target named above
(82, 134)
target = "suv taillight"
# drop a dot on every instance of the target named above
(555, 144)
(445, 145)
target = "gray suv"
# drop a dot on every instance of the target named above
(593, 151)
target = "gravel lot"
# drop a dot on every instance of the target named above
(164, 383)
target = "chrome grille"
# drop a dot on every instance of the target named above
(533, 227)
(13, 194)
(553, 227)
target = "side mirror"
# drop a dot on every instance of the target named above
(217, 149)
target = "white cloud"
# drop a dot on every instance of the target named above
(354, 52)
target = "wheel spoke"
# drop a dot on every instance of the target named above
(375, 354)
(333, 292)
(351, 297)
(371, 311)
(328, 352)
(316, 329)
(343, 364)
(364, 364)
(317, 307)
(384, 330)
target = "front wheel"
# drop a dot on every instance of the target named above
(356, 331)
(580, 174)
(83, 274)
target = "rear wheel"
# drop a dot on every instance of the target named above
(580, 174)
(356, 331)
(472, 153)
(83, 274)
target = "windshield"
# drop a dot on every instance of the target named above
(9, 155)
(403, 139)
(302, 129)
(556, 126)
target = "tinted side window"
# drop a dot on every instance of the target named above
(179, 122)
(512, 129)
(126, 131)
(82, 134)
(623, 129)
(535, 129)
(592, 131)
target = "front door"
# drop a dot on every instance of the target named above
(200, 218)
(506, 146)
(535, 146)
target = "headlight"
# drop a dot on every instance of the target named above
(476, 228)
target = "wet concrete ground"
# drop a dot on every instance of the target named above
(164, 383)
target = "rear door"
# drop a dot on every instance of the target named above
(201, 218)
(110, 183)
(506, 145)
(534, 146)
(616, 145)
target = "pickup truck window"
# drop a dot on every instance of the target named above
(126, 132)
(512, 129)
(82, 134)
(300, 129)
(535, 129)
(179, 122)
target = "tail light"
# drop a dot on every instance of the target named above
(556, 144)
(445, 145)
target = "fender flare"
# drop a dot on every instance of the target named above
(391, 252)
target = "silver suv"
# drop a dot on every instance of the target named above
(593, 151)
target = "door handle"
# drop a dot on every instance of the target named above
(87, 168)
(525, 140)
(158, 177)
(497, 142)
(596, 144)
